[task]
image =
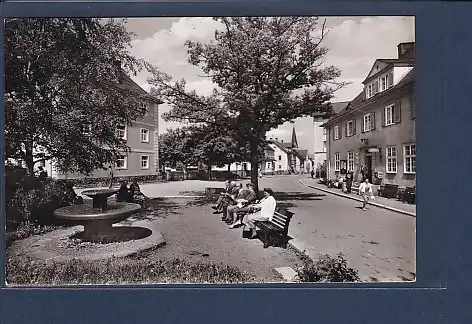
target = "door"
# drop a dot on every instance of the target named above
(368, 162)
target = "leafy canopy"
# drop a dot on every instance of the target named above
(66, 90)
(266, 71)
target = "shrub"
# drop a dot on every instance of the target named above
(119, 271)
(326, 269)
(32, 202)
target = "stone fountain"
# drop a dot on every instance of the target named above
(98, 217)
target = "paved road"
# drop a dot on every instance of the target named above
(377, 242)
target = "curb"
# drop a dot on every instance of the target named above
(360, 200)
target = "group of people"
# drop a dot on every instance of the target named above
(240, 206)
(130, 194)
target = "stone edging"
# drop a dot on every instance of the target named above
(358, 199)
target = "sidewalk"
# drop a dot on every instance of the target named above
(390, 204)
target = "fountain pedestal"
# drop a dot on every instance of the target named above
(98, 217)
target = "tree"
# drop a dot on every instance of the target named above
(175, 146)
(196, 144)
(266, 71)
(66, 90)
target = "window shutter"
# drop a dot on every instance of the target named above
(372, 119)
(376, 86)
(345, 133)
(340, 130)
(390, 80)
(412, 106)
(397, 110)
(383, 117)
(353, 126)
(362, 125)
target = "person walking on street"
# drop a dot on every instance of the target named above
(365, 190)
(312, 173)
(349, 177)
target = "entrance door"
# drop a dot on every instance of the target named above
(368, 162)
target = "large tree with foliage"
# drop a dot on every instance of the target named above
(66, 90)
(266, 71)
(196, 144)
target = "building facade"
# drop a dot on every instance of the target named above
(142, 137)
(374, 136)
(320, 144)
(286, 156)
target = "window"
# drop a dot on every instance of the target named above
(144, 162)
(350, 128)
(268, 165)
(370, 90)
(368, 122)
(337, 132)
(145, 107)
(144, 135)
(280, 157)
(324, 146)
(280, 167)
(409, 154)
(337, 162)
(121, 131)
(391, 159)
(350, 161)
(121, 162)
(383, 83)
(389, 115)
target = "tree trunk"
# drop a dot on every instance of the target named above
(29, 159)
(209, 171)
(255, 167)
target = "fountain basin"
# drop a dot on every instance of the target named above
(97, 223)
(99, 197)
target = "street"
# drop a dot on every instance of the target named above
(377, 242)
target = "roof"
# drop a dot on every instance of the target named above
(389, 62)
(339, 106)
(302, 154)
(281, 146)
(268, 148)
(360, 102)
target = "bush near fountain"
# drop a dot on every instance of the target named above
(30, 203)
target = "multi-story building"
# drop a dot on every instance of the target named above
(374, 136)
(142, 137)
(319, 157)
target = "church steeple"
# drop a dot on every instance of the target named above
(294, 138)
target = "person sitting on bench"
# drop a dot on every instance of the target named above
(263, 211)
(136, 196)
(247, 197)
(218, 206)
(237, 193)
(123, 192)
(226, 198)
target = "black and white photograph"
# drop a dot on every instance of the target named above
(209, 150)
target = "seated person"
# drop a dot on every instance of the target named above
(263, 211)
(247, 197)
(123, 192)
(231, 199)
(218, 206)
(135, 193)
(226, 198)
(70, 197)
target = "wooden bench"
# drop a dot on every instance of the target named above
(214, 191)
(388, 191)
(275, 232)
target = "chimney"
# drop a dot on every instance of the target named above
(406, 50)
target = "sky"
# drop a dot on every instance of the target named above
(354, 44)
